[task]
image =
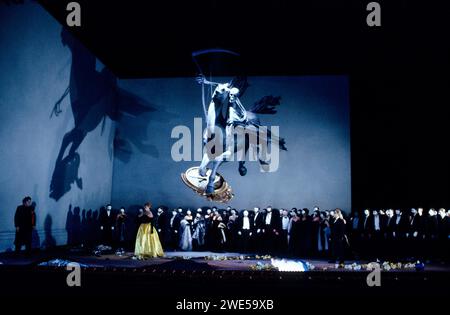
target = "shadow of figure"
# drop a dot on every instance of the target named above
(94, 96)
(94, 228)
(83, 228)
(49, 240)
(86, 227)
(74, 227)
(69, 226)
(35, 239)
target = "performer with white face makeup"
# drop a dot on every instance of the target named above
(244, 231)
(121, 230)
(107, 224)
(258, 229)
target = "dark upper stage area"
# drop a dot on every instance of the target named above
(156, 38)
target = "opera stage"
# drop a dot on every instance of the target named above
(196, 273)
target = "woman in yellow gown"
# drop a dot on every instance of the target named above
(147, 239)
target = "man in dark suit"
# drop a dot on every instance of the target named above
(399, 233)
(208, 233)
(400, 225)
(355, 226)
(431, 225)
(443, 225)
(107, 225)
(25, 222)
(272, 230)
(245, 231)
(431, 235)
(365, 224)
(338, 236)
(161, 226)
(173, 225)
(388, 223)
(388, 233)
(415, 233)
(365, 229)
(304, 233)
(285, 220)
(258, 228)
(416, 224)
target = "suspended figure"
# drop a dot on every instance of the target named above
(225, 113)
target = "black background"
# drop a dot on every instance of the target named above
(398, 72)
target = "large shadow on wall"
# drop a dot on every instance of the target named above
(94, 96)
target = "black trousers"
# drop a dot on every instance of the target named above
(244, 241)
(283, 243)
(337, 246)
(23, 238)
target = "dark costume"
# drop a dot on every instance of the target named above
(121, 229)
(338, 239)
(25, 221)
(107, 221)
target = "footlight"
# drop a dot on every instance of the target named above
(289, 265)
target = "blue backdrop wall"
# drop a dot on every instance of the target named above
(36, 69)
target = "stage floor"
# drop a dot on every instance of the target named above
(179, 260)
(208, 274)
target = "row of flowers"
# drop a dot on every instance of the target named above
(240, 257)
(271, 266)
(385, 266)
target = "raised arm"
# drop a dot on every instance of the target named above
(202, 80)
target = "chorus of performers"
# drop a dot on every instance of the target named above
(330, 234)
(370, 234)
(302, 233)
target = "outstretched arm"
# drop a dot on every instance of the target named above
(57, 107)
(202, 80)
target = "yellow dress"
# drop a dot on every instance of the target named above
(147, 243)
